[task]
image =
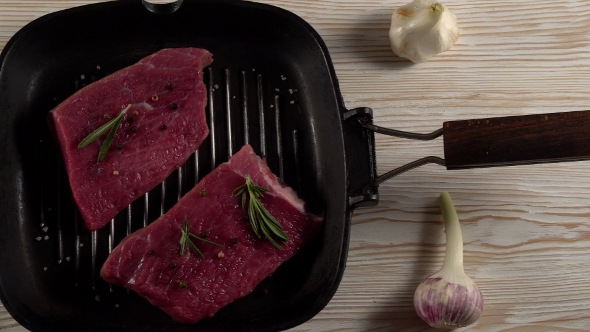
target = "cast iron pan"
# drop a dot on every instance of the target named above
(271, 85)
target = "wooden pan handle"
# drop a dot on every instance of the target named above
(516, 140)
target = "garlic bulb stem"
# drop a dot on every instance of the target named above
(437, 8)
(454, 252)
(449, 298)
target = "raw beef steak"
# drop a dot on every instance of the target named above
(164, 125)
(188, 287)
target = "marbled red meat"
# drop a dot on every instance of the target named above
(165, 124)
(149, 261)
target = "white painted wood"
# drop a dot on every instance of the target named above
(526, 229)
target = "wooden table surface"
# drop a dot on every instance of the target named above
(526, 228)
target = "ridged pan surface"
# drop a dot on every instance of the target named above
(271, 85)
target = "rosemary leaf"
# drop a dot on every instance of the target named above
(182, 247)
(244, 197)
(269, 238)
(277, 230)
(260, 219)
(93, 136)
(185, 239)
(204, 240)
(252, 218)
(195, 249)
(106, 145)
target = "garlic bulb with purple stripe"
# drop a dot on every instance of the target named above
(449, 298)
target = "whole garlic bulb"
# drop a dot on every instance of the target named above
(449, 298)
(422, 29)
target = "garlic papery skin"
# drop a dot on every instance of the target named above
(422, 29)
(449, 298)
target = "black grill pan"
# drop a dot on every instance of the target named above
(272, 85)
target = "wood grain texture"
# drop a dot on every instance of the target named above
(517, 140)
(526, 228)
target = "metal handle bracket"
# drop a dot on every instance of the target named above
(366, 123)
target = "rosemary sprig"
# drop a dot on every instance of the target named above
(185, 240)
(261, 220)
(111, 127)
